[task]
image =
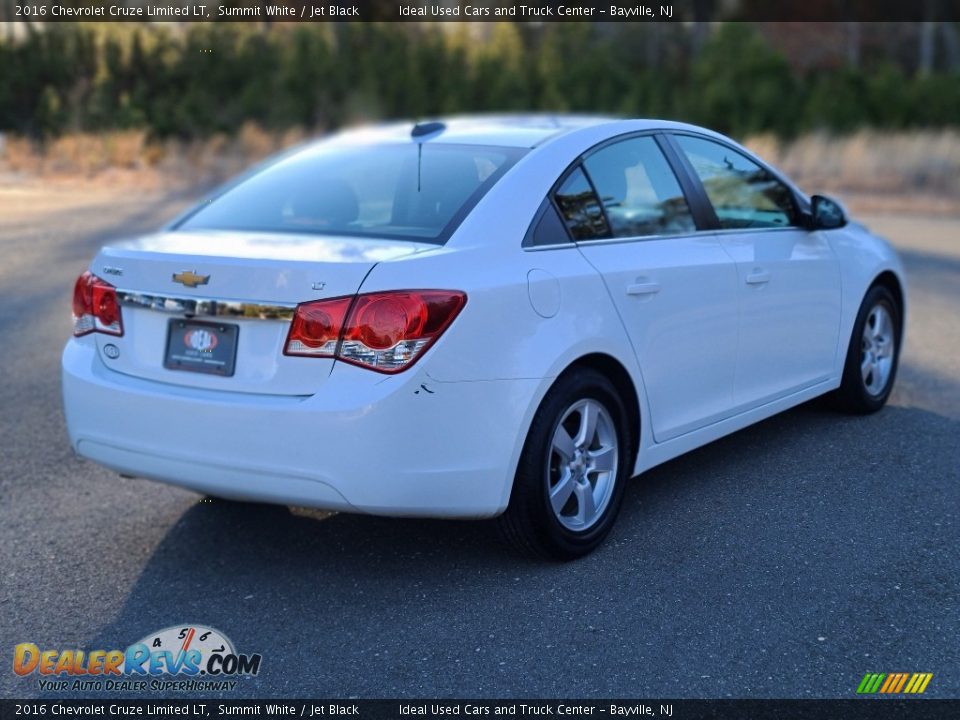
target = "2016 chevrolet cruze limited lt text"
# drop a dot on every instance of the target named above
(478, 317)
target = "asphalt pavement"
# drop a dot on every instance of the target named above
(787, 560)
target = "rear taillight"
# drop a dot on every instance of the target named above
(95, 307)
(316, 327)
(384, 331)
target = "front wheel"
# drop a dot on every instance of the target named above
(873, 354)
(571, 476)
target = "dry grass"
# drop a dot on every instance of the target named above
(870, 170)
(77, 154)
(881, 170)
(130, 159)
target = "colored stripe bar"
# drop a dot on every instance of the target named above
(901, 683)
(914, 683)
(873, 682)
(893, 681)
(909, 687)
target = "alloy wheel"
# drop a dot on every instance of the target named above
(582, 467)
(877, 348)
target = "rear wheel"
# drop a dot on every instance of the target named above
(571, 476)
(873, 354)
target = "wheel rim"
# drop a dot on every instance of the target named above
(582, 467)
(877, 350)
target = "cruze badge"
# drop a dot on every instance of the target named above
(190, 279)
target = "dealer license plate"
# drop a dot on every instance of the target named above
(202, 347)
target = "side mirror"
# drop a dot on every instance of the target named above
(826, 213)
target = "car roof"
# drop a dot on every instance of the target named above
(522, 131)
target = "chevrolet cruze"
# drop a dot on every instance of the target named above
(477, 317)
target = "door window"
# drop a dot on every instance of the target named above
(743, 194)
(640, 193)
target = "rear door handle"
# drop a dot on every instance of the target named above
(645, 288)
(758, 277)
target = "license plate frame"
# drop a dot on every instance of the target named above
(198, 346)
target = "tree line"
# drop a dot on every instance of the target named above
(198, 80)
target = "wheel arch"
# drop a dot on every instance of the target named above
(613, 370)
(850, 396)
(521, 521)
(889, 280)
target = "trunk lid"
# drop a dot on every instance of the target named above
(252, 281)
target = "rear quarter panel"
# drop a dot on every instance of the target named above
(499, 334)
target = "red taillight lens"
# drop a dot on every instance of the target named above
(95, 307)
(384, 331)
(316, 328)
(381, 321)
(388, 331)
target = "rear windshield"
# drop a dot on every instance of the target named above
(409, 191)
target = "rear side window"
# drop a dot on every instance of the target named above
(402, 191)
(743, 194)
(639, 191)
(548, 229)
(580, 209)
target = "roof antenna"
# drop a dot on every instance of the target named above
(419, 134)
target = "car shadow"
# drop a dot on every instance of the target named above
(284, 580)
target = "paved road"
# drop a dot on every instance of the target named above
(784, 561)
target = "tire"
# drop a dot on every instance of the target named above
(872, 355)
(584, 470)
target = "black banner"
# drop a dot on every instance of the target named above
(855, 709)
(476, 11)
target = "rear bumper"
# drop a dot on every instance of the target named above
(364, 443)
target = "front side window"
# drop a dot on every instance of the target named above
(743, 194)
(639, 191)
(394, 191)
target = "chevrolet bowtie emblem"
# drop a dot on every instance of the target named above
(190, 279)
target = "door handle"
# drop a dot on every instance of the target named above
(758, 277)
(645, 288)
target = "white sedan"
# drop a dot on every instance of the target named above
(477, 317)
